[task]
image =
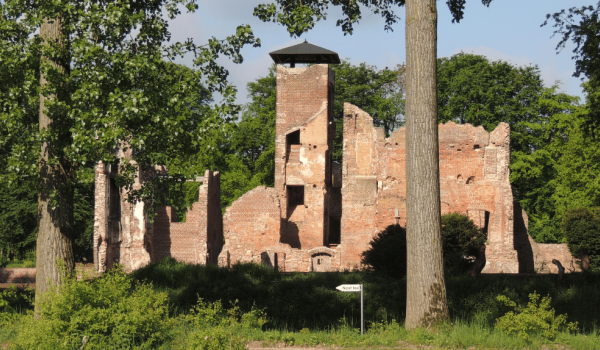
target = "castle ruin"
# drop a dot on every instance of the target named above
(321, 215)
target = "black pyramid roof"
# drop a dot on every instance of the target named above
(304, 53)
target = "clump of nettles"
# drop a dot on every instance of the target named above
(538, 318)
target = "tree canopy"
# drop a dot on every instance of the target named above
(102, 78)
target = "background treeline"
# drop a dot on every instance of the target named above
(554, 156)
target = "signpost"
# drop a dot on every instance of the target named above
(349, 288)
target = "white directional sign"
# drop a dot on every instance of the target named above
(349, 287)
(355, 288)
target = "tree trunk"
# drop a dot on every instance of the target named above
(426, 290)
(55, 200)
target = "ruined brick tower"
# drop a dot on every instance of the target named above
(305, 131)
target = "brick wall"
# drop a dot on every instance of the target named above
(199, 239)
(537, 257)
(474, 180)
(120, 227)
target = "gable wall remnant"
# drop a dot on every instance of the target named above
(473, 180)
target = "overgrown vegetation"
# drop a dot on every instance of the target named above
(537, 318)
(171, 305)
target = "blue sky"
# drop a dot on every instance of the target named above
(508, 30)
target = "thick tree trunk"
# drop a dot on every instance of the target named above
(55, 200)
(426, 290)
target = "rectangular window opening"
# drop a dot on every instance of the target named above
(293, 138)
(295, 197)
(334, 230)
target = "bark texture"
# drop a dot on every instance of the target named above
(426, 291)
(55, 200)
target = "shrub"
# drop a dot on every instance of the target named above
(581, 228)
(538, 318)
(217, 328)
(387, 252)
(109, 311)
(461, 240)
(13, 302)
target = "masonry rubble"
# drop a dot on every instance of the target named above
(321, 215)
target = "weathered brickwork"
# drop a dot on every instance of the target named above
(123, 233)
(537, 257)
(199, 239)
(321, 215)
(120, 227)
(305, 131)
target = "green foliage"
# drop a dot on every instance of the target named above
(562, 173)
(300, 17)
(581, 228)
(301, 309)
(378, 92)
(217, 328)
(183, 195)
(460, 238)
(18, 221)
(582, 27)
(538, 318)
(473, 90)
(120, 91)
(387, 252)
(110, 311)
(13, 304)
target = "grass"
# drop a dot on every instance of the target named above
(305, 309)
(309, 300)
(20, 263)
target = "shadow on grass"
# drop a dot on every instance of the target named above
(309, 300)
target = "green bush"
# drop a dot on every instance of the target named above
(461, 240)
(13, 304)
(109, 311)
(387, 252)
(581, 228)
(217, 328)
(538, 318)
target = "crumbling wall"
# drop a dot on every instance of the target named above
(251, 227)
(474, 179)
(120, 227)
(199, 239)
(123, 233)
(252, 230)
(537, 257)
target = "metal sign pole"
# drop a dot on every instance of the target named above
(356, 288)
(362, 321)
